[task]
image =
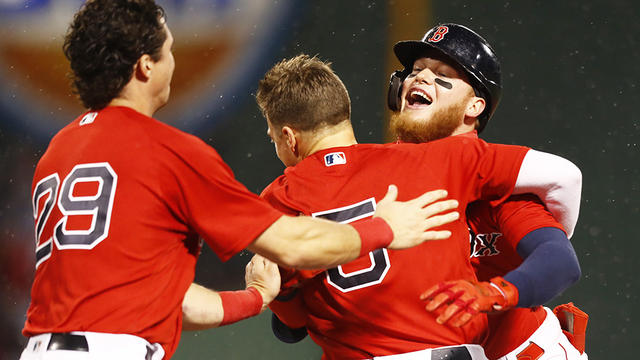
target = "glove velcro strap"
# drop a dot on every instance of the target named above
(508, 291)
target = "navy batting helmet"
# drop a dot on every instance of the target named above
(467, 49)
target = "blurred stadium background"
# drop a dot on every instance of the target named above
(571, 87)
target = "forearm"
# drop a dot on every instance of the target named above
(556, 181)
(550, 266)
(308, 243)
(201, 308)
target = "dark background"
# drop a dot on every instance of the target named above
(570, 79)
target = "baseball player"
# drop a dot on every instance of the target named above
(122, 200)
(516, 244)
(370, 308)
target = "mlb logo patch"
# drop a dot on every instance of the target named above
(336, 158)
(89, 118)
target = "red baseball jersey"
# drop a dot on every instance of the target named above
(121, 201)
(496, 232)
(371, 306)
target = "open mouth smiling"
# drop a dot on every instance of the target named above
(417, 97)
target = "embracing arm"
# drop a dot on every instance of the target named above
(310, 243)
(550, 266)
(201, 308)
(556, 181)
(204, 308)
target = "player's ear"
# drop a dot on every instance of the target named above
(144, 67)
(290, 136)
(475, 107)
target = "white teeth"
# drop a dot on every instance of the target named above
(422, 95)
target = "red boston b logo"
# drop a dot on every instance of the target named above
(439, 34)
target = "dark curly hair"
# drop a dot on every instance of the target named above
(105, 40)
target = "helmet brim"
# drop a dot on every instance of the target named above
(409, 51)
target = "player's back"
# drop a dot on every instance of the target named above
(371, 306)
(115, 252)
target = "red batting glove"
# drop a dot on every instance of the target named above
(463, 299)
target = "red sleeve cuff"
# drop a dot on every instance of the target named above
(240, 305)
(374, 233)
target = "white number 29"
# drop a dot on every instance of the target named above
(98, 206)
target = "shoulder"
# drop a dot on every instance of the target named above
(177, 139)
(67, 130)
(277, 194)
(171, 150)
(463, 144)
(447, 144)
(469, 141)
(158, 133)
(523, 206)
(176, 145)
(276, 187)
(521, 214)
(397, 150)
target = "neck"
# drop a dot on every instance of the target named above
(330, 137)
(464, 128)
(133, 97)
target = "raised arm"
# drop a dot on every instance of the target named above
(556, 181)
(310, 243)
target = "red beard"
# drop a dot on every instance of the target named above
(442, 124)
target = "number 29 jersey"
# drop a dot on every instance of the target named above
(371, 307)
(120, 202)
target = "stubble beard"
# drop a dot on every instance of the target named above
(442, 124)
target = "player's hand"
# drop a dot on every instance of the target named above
(263, 275)
(459, 301)
(411, 220)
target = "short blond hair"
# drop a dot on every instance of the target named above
(303, 92)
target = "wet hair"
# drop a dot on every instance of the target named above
(105, 40)
(303, 92)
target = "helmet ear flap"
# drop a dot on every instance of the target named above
(395, 89)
